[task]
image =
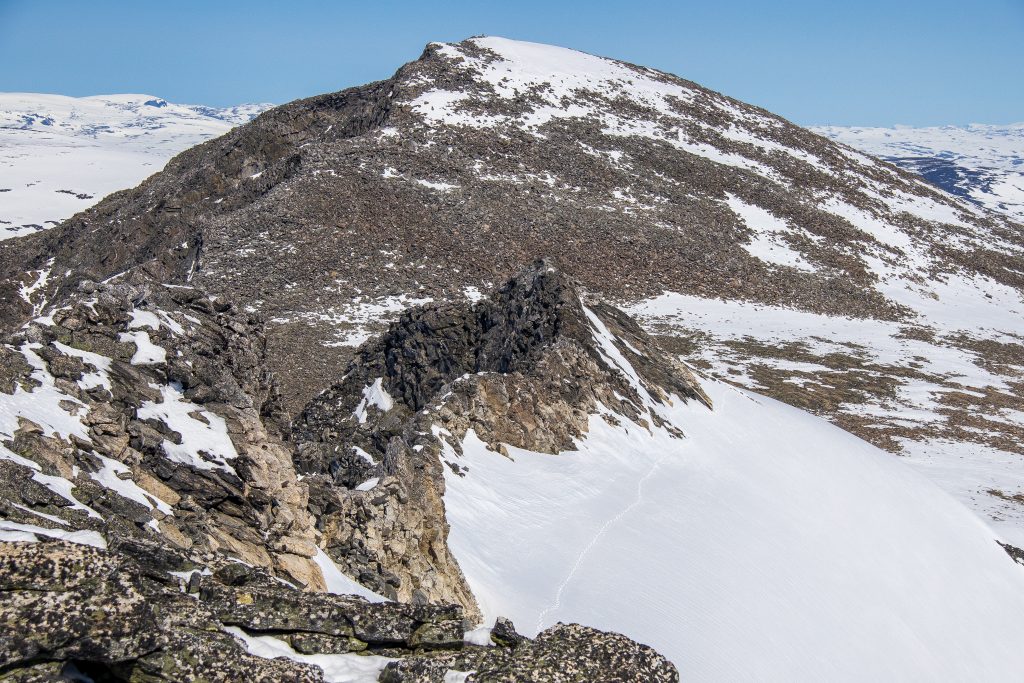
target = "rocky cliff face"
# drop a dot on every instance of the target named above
(521, 368)
(155, 407)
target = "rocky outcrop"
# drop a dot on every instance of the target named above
(560, 654)
(103, 615)
(527, 366)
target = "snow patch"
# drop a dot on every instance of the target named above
(345, 668)
(30, 533)
(146, 352)
(202, 431)
(373, 395)
(338, 582)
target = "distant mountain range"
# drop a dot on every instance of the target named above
(60, 155)
(984, 164)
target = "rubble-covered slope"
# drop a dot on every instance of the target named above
(487, 153)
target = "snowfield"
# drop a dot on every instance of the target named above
(929, 372)
(765, 545)
(60, 155)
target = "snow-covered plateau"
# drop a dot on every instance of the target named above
(60, 155)
(982, 163)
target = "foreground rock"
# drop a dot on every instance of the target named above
(131, 616)
(562, 654)
(102, 614)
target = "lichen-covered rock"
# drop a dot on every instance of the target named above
(126, 615)
(504, 633)
(251, 599)
(111, 619)
(567, 653)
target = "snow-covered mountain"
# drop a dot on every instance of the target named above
(296, 341)
(758, 251)
(60, 155)
(984, 164)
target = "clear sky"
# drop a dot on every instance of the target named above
(844, 62)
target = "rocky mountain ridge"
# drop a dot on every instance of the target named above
(140, 420)
(702, 148)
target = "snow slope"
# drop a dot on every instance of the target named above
(982, 163)
(944, 406)
(764, 545)
(60, 155)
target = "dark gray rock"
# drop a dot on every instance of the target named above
(504, 633)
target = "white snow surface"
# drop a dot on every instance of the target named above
(112, 476)
(338, 582)
(146, 352)
(41, 405)
(965, 470)
(768, 242)
(30, 533)
(373, 395)
(60, 155)
(569, 84)
(100, 377)
(764, 545)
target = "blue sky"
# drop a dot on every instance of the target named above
(864, 62)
